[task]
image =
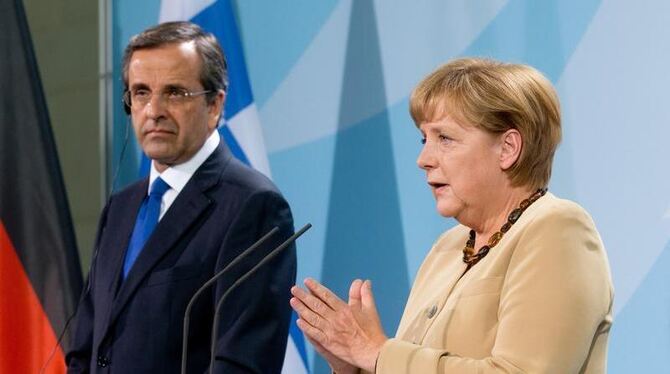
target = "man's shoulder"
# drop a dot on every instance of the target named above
(241, 177)
(130, 190)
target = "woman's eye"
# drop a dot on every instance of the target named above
(444, 139)
(423, 140)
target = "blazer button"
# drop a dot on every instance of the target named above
(430, 312)
(103, 361)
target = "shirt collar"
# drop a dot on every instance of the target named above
(178, 175)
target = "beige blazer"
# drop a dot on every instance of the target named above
(539, 302)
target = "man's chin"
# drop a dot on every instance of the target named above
(158, 153)
(160, 158)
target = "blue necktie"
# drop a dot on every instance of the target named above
(145, 223)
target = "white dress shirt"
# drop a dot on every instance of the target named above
(176, 176)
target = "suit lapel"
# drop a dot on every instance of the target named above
(123, 230)
(123, 210)
(190, 204)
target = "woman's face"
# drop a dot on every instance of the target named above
(462, 165)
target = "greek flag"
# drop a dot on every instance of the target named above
(240, 126)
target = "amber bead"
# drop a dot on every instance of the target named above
(495, 238)
(514, 216)
(470, 258)
(469, 250)
(483, 251)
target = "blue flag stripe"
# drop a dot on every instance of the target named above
(219, 19)
(298, 339)
(233, 145)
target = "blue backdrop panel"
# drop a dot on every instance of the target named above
(332, 80)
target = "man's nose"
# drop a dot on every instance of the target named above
(156, 106)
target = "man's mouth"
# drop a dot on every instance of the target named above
(159, 131)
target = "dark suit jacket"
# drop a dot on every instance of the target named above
(135, 326)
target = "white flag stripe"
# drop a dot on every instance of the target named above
(292, 362)
(179, 10)
(246, 128)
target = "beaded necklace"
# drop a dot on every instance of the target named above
(469, 255)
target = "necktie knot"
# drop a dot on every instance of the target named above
(158, 188)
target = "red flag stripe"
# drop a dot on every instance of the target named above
(25, 331)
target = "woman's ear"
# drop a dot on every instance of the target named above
(511, 146)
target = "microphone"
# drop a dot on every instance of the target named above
(241, 279)
(189, 306)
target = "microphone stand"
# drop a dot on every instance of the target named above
(246, 275)
(189, 306)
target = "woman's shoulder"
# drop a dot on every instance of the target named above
(452, 239)
(560, 230)
(448, 245)
(554, 211)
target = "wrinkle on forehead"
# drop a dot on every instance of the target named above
(177, 63)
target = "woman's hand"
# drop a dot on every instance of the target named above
(344, 333)
(337, 365)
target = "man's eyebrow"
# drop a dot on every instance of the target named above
(139, 86)
(169, 86)
(174, 86)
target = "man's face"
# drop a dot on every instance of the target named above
(170, 132)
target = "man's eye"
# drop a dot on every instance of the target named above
(141, 94)
(175, 93)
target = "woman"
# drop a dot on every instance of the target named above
(522, 284)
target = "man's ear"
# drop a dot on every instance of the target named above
(511, 145)
(216, 108)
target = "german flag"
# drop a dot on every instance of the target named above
(40, 277)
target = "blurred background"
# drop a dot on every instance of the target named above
(330, 82)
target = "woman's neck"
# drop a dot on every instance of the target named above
(495, 214)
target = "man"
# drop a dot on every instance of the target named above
(209, 208)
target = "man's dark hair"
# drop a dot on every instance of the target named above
(214, 70)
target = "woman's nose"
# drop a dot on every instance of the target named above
(426, 159)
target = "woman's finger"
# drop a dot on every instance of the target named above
(355, 293)
(307, 314)
(337, 364)
(313, 303)
(312, 332)
(323, 293)
(367, 297)
(318, 347)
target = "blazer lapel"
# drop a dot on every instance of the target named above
(441, 273)
(184, 212)
(449, 278)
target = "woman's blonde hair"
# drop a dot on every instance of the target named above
(496, 97)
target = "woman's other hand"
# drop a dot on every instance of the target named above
(349, 335)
